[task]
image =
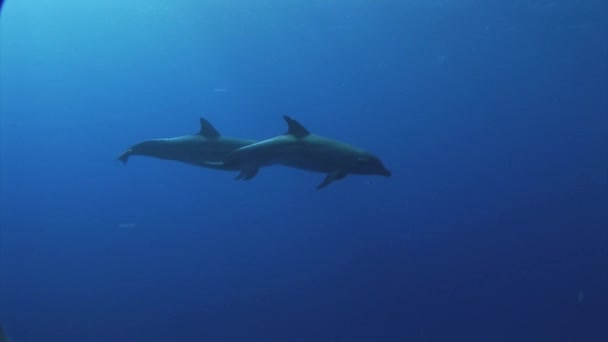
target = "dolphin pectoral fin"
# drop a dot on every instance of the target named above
(332, 176)
(124, 158)
(247, 174)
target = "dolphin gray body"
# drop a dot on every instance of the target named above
(208, 145)
(298, 148)
(3, 335)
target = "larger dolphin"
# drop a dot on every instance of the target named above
(208, 145)
(300, 149)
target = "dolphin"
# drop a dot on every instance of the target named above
(208, 145)
(301, 149)
(3, 335)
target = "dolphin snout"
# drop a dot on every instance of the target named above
(386, 173)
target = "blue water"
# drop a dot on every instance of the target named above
(491, 115)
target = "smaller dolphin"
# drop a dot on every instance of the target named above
(196, 149)
(300, 149)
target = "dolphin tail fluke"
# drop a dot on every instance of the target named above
(124, 158)
(247, 174)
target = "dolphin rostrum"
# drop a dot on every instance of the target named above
(300, 149)
(208, 145)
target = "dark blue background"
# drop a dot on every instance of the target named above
(492, 116)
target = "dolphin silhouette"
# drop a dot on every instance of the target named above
(3, 335)
(208, 145)
(298, 148)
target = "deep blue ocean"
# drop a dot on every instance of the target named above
(491, 115)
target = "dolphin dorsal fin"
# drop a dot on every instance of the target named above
(295, 128)
(207, 130)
